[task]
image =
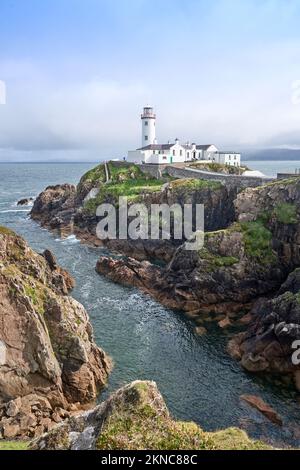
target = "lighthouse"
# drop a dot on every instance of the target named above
(148, 126)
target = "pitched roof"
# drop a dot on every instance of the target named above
(158, 147)
(203, 147)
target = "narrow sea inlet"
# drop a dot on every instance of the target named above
(198, 379)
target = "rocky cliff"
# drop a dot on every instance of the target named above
(236, 270)
(252, 245)
(136, 418)
(67, 209)
(49, 363)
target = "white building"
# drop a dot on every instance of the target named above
(159, 154)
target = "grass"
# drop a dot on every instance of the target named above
(286, 213)
(141, 425)
(194, 185)
(124, 180)
(219, 168)
(14, 445)
(257, 240)
(216, 261)
(132, 189)
(96, 174)
(37, 296)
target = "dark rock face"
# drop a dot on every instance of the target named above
(62, 208)
(54, 208)
(25, 202)
(48, 359)
(267, 345)
(218, 279)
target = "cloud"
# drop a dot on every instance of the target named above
(94, 114)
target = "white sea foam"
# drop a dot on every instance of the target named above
(70, 240)
(14, 210)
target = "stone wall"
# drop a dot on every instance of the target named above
(284, 176)
(231, 180)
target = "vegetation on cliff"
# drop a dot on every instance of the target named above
(128, 180)
(136, 418)
(218, 168)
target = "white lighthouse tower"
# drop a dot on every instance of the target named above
(148, 127)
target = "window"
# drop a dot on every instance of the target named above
(188, 154)
(199, 154)
(174, 153)
(146, 137)
(164, 157)
(235, 157)
(146, 123)
(181, 153)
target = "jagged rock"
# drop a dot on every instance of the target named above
(200, 330)
(135, 418)
(48, 355)
(64, 208)
(13, 407)
(25, 202)
(224, 323)
(263, 407)
(267, 343)
(59, 201)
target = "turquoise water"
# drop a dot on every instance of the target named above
(198, 379)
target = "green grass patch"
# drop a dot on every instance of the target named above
(257, 240)
(14, 445)
(132, 189)
(94, 175)
(188, 184)
(37, 296)
(286, 213)
(139, 426)
(216, 261)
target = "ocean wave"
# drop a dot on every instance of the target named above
(14, 210)
(70, 240)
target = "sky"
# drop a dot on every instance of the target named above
(77, 74)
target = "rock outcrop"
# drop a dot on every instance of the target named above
(136, 418)
(267, 344)
(54, 207)
(263, 407)
(25, 201)
(67, 209)
(252, 245)
(251, 266)
(49, 363)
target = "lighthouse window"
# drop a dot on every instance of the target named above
(146, 137)
(146, 123)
